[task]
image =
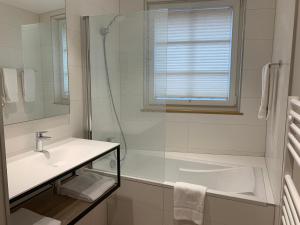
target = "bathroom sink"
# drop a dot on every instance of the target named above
(29, 170)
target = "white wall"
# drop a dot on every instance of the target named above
(4, 205)
(296, 73)
(199, 133)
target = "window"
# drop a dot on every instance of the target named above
(60, 59)
(193, 55)
(64, 57)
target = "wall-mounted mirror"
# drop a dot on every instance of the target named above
(33, 60)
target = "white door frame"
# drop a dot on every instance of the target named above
(4, 203)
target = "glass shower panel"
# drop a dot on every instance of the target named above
(125, 90)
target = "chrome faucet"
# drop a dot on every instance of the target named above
(39, 137)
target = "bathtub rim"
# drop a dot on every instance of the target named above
(225, 160)
(210, 192)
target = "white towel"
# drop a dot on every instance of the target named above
(27, 217)
(189, 202)
(10, 85)
(88, 186)
(28, 85)
(264, 105)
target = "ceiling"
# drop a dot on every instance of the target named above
(36, 6)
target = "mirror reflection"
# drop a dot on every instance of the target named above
(33, 60)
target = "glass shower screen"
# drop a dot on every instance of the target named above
(127, 64)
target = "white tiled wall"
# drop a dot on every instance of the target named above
(296, 86)
(296, 74)
(198, 133)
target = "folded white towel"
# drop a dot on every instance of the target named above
(28, 85)
(264, 105)
(88, 186)
(27, 217)
(189, 202)
(10, 85)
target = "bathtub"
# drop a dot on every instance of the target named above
(238, 192)
(237, 177)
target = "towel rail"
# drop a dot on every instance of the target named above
(295, 115)
(295, 142)
(295, 102)
(288, 197)
(293, 192)
(279, 63)
(283, 220)
(287, 220)
(288, 210)
(294, 153)
(295, 128)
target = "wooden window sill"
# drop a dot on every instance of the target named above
(191, 110)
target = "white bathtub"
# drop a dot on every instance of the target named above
(234, 177)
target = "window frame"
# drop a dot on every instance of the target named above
(60, 96)
(207, 106)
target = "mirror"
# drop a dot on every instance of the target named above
(33, 60)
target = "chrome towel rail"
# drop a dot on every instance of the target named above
(279, 63)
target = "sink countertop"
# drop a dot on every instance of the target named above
(31, 169)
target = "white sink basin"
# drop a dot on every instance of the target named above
(29, 170)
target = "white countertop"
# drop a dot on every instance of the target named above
(29, 170)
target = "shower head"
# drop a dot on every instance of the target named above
(105, 30)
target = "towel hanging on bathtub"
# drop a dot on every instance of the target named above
(189, 202)
(264, 108)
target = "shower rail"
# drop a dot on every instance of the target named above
(290, 195)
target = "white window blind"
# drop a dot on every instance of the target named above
(194, 63)
(64, 57)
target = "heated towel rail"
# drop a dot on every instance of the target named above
(290, 195)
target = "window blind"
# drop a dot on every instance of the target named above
(64, 57)
(197, 54)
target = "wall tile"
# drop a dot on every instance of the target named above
(75, 83)
(257, 53)
(260, 24)
(251, 84)
(227, 139)
(177, 136)
(143, 193)
(261, 4)
(74, 48)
